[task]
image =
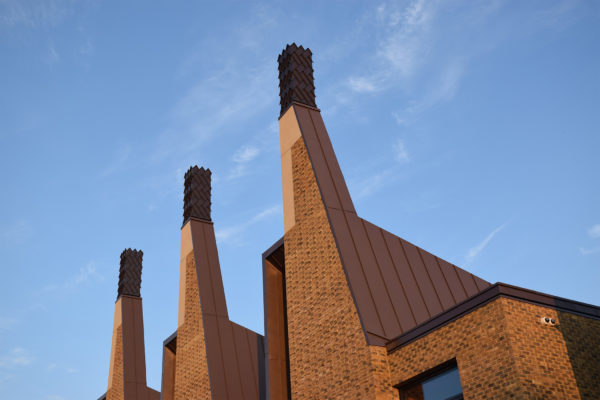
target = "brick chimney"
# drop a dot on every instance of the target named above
(127, 371)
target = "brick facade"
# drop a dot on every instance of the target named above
(323, 325)
(352, 311)
(116, 388)
(191, 368)
(503, 351)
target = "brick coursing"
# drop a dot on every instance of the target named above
(545, 366)
(117, 390)
(503, 351)
(191, 368)
(329, 357)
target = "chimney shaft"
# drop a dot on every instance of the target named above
(296, 81)
(130, 273)
(196, 197)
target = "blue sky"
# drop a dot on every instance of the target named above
(470, 128)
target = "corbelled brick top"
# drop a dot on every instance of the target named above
(296, 81)
(196, 198)
(130, 273)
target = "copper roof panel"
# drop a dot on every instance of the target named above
(395, 284)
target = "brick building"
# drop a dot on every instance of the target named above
(351, 311)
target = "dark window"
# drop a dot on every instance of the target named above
(444, 385)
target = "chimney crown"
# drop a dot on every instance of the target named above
(296, 81)
(196, 195)
(130, 273)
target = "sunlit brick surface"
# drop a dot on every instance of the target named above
(191, 370)
(116, 392)
(329, 357)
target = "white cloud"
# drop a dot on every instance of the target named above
(242, 157)
(17, 357)
(444, 89)
(245, 154)
(403, 46)
(401, 154)
(594, 231)
(229, 233)
(362, 85)
(51, 56)
(85, 275)
(117, 164)
(475, 251)
(16, 232)
(33, 13)
(586, 252)
(216, 105)
(366, 186)
(406, 45)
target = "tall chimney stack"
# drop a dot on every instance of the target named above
(127, 370)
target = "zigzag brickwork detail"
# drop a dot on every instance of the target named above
(130, 273)
(191, 368)
(296, 82)
(196, 195)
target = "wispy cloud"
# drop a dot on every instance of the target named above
(594, 231)
(211, 106)
(7, 323)
(242, 157)
(401, 154)
(17, 357)
(365, 186)
(231, 232)
(586, 252)
(402, 46)
(475, 251)
(51, 56)
(33, 13)
(16, 233)
(118, 163)
(87, 273)
(362, 84)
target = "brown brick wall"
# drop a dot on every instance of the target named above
(191, 369)
(329, 357)
(547, 357)
(503, 351)
(117, 390)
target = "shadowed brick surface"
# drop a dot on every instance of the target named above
(196, 195)
(130, 273)
(296, 82)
